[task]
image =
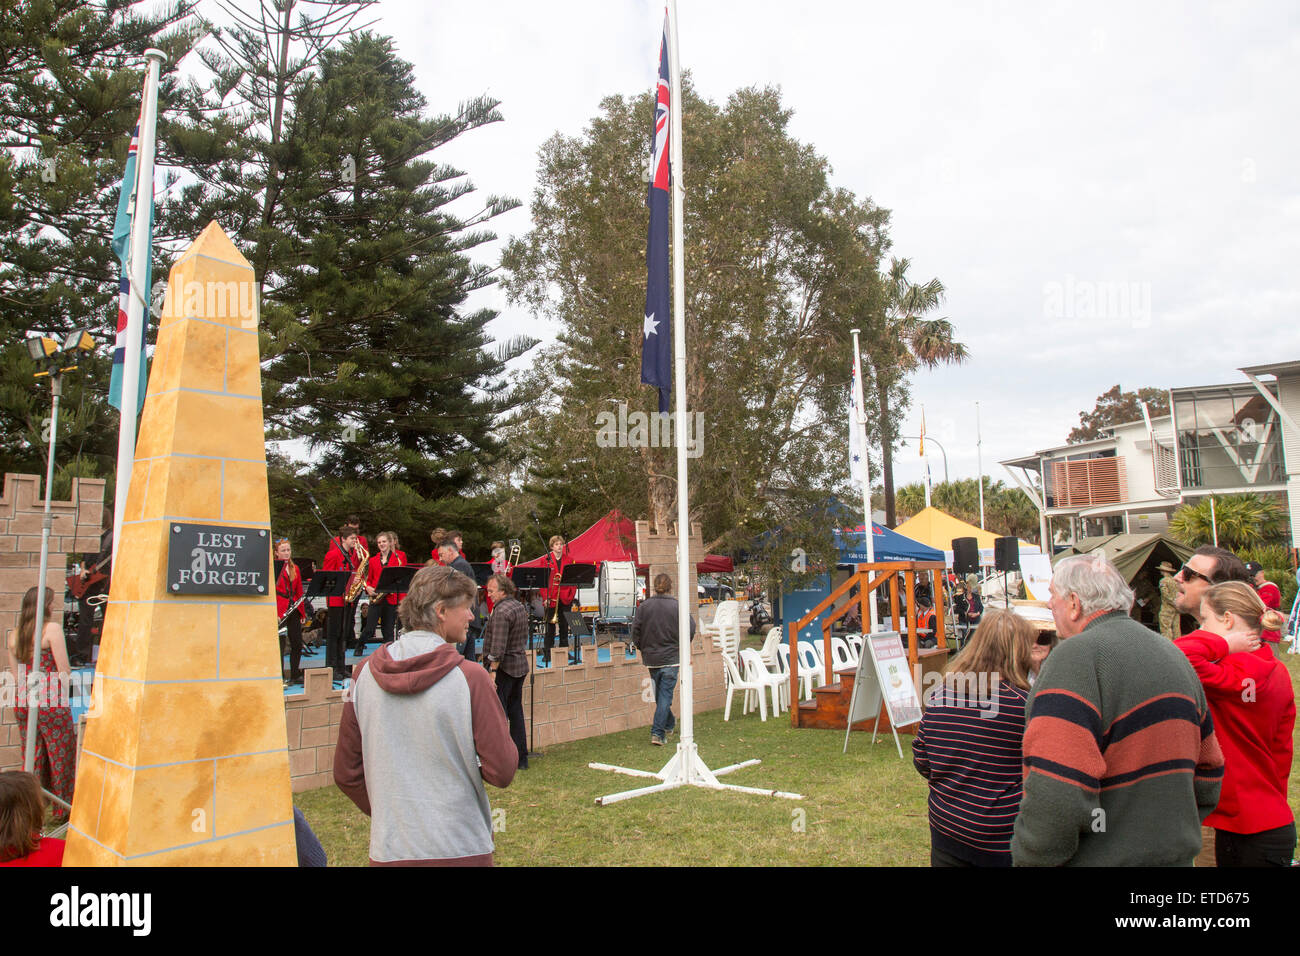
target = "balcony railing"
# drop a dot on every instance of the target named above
(1082, 484)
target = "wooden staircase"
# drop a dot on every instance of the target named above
(829, 710)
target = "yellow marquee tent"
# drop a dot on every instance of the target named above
(937, 529)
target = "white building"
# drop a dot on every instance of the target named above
(1220, 439)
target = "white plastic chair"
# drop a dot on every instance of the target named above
(810, 659)
(756, 671)
(729, 643)
(842, 655)
(855, 644)
(783, 665)
(806, 673)
(782, 669)
(735, 682)
(726, 617)
(768, 653)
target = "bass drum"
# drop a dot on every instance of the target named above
(617, 590)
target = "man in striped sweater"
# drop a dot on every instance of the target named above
(1121, 761)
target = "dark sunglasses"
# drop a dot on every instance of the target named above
(1187, 573)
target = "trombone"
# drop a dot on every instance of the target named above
(555, 594)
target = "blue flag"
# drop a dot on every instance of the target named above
(121, 247)
(656, 342)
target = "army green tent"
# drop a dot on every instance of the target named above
(1132, 553)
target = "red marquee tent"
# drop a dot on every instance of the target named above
(613, 538)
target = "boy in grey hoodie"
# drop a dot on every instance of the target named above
(422, 729)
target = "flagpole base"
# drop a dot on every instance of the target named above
(685, 769)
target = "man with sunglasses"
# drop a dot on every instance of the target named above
(1207, 565)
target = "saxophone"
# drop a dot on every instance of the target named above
(357, 583)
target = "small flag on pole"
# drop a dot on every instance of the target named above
(857, 454)
(121, 248)
(656, 331)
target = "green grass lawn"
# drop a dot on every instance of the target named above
(864, 808)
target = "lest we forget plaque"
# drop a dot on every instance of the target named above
(218, 559)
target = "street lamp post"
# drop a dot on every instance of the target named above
(55, 359)
(931, 438)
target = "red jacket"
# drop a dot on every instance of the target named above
(1253, 706)
(567, 594)
(337, 560)
(375, 566)
(1272, 597)
(49, 852)
(288, 588)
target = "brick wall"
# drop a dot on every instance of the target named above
(74, 530)
(313, 723)
(573, 702)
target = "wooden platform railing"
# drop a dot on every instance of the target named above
(885, 572)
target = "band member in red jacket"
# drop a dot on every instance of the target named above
(436, 536)
(1271, 595)
(362, 543)
(557, 559)
(340, 620)
(383, 608)
(288, 590)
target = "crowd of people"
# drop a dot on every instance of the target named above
(1106, 744)
(1113, 746)
(349, 552)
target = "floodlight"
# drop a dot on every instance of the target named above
(79, 341)
(40, 348)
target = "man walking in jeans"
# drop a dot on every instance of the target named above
(654, 632)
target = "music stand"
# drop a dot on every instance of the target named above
(530, 579)
(482, 571)
(578, 576)
(577, 624)
(395, 580)
(329, 584)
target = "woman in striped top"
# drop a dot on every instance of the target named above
(969, 744)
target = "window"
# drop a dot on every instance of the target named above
(1228, 437)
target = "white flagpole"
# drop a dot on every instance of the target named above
(136, 301)
(686, 768)
(679, 385)
(859, 409)
(979, 461)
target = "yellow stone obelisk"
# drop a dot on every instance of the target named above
(185, 757)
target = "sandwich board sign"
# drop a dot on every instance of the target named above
(884, 676)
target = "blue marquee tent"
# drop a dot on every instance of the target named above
(889, 546)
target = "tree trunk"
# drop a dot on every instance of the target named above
(272, 195)
(886, 451)
(661, 492)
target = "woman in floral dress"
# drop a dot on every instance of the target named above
(56, 741)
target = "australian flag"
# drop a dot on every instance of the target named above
(656, 341)
(121, 244)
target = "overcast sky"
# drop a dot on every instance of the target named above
(1110, 191)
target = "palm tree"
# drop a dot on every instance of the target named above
(1243, 521)
(904, 340)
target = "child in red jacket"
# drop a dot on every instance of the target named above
(1253, 705)
(22, 808)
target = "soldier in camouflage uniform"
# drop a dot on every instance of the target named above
(1169, 618)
